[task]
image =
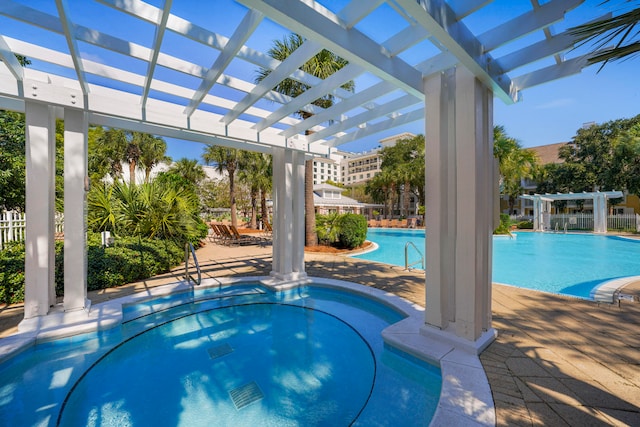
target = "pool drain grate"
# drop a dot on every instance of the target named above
(245, 395)
(219, 351)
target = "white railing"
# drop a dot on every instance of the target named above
(622, 222)
(13, 226)
(581, 221)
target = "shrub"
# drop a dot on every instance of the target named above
(353, 231)
(130, 259)
(12, 273)
(505, 223)
(525, 225)
(328, 228)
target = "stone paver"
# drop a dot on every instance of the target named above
(557, 360)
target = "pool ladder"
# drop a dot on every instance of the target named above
(406, 256)
(189, 250)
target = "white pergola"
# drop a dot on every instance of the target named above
(90, 66)
(542, 207)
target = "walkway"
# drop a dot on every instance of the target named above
(557, 360)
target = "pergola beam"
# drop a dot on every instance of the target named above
(155, 50)
(349, 44)
(68, 29)
(286, 67)
(246, 28)
(10, 60)
(440, 20)
(526, 23)
(340, 77)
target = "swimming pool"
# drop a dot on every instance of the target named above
(227, 355)
(568, 264)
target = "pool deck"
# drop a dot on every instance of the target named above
(557, 360)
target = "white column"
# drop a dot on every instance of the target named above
(460, 208)
(75, 205)
(599, 213)
(288, 214)
(39, 292)
(298, 223)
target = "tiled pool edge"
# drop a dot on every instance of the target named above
(606, 292)
(465, 397)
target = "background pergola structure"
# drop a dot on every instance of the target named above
(542, 206)
(466, 55)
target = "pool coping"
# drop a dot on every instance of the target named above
(465, 396)
(609, 290)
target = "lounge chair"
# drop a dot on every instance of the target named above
(240, 239)
(220, 236)
(267, 230)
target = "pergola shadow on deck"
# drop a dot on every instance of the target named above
(438, 61)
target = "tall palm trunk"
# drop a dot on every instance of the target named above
(254, 208)
(406, 198)
(232, 196)
(263, 207)
(132, 172)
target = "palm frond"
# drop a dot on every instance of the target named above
(612, 38)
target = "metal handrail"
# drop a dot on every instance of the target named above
(188, 248)
(406, 256)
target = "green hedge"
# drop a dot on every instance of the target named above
(525, 225)
(130, 259)
(353, 231)
(12, 273)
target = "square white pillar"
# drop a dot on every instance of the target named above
(298, 223)
(76, 183)
(39, 292)
(460, 205)
(288, 214)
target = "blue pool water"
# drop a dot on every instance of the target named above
(237, 355)
(569, 264)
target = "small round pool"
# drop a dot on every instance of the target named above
(252, 364)
(238, 355)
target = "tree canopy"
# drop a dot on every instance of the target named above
(514, 163)
(600, 157)
(402, 170)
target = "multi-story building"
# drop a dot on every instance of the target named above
(327, 169)
(353, 168)
(358, 168)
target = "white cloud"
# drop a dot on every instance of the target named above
(556, 103)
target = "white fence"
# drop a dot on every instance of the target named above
(13, 226)
(580, 221)
(626, 222)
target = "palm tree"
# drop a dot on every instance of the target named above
(254, 170)
(131, 155)
(189, 169)
(405, 162)
(225, 159)
(617, 30)
(152, 152)
(110, 149)
(322, 65)
(514, 163)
